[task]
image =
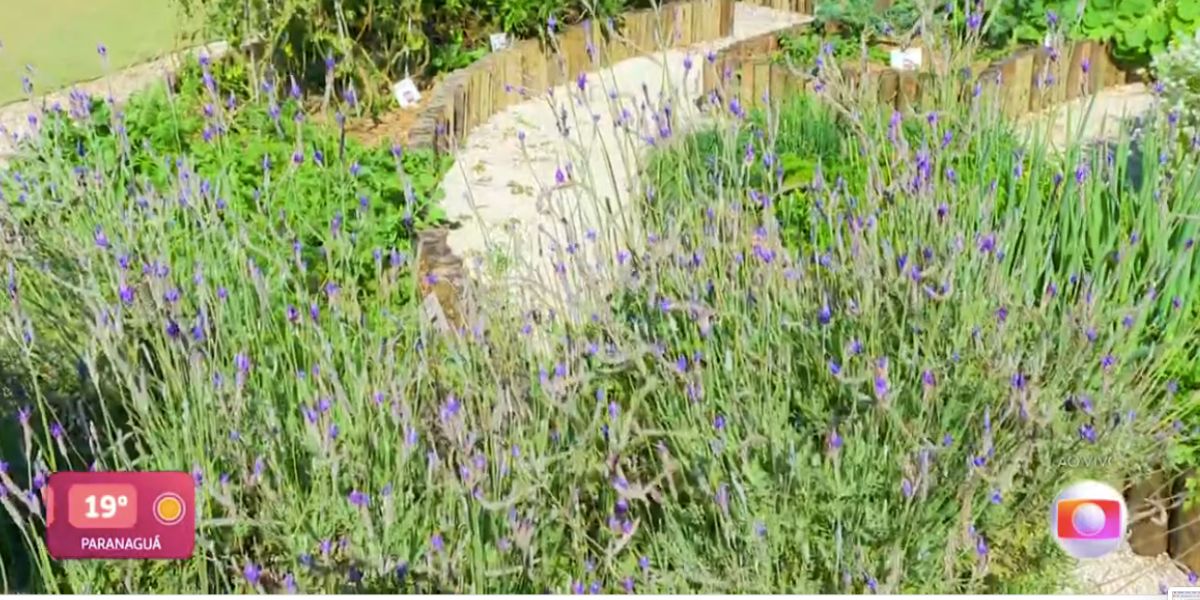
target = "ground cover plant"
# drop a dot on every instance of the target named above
(849, 353)
(1135, 30)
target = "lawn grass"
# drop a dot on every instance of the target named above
(59, 39)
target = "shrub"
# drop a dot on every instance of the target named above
(1179, 71)
(142, 229)
(373, 43)
(975, 263)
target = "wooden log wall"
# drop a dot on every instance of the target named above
(468, 97)
(1027, 81)
(804, 7)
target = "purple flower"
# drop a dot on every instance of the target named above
(834, 368)
(437, 542)
(1085, 404)
(906, 488)
(359, 499)
(1107, 361)
(833, 441)
(56, 430)
(824, 315)
(126, 293)
(928, 378)
(100, 238)
(1018, 381)
(252, 573)
(881, 387)
(1087, 433)
(996, 498)
(987, 243)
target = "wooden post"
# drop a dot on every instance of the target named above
(1148, 502)
(1184, 539)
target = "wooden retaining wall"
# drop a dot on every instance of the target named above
(804, 7)
(1027, 81)
(470, 96)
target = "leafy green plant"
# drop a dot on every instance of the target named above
(1178, 69)
(1140, 29)
(858, 17)
(369, 44)
(1025, 22)
(803, 49)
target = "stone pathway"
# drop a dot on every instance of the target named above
(506, 194)
(1095, 118)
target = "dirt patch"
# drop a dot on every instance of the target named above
(389, 128)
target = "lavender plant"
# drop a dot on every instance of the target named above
(873, 394)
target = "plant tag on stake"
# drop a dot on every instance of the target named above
(406, 92)
(908, 59)
(499, 41)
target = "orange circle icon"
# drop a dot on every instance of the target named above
(168, 509)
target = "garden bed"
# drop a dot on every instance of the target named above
(1027, 80)
(1024, 82)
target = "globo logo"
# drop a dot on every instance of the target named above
(1088, 519)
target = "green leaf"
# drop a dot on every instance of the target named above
(1135, 8)
(1188, 10)
(1096, 18)
(1134, 37)
(1157, 31)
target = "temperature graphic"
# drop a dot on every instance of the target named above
(147, 515)
(101, 506)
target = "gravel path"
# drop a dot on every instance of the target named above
(504, 192)
(1097, 117)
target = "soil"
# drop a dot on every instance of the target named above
(391, 127)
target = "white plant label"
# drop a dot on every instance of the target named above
(406, 92)
(499, 41)
(908, 59)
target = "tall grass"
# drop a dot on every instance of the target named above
(866, 381)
